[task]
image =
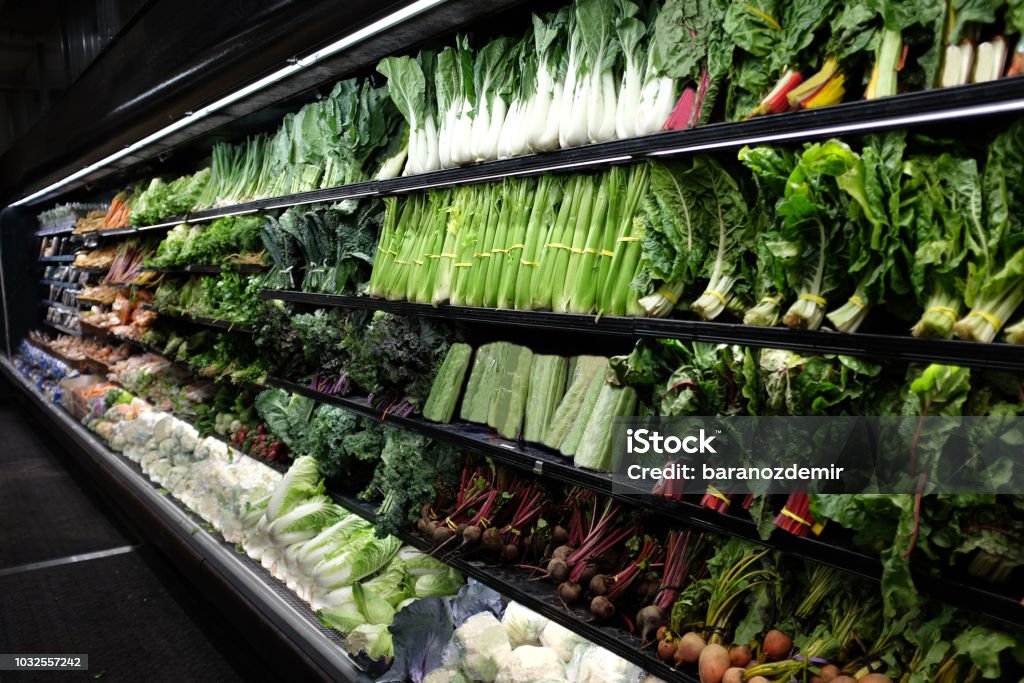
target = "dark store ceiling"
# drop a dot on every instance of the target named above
(45, 46)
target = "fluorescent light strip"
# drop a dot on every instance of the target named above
(393, 19)
(910, 119)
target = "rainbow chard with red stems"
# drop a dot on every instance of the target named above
(691, 47)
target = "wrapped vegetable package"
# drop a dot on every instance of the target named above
(481, 646)
(523, 625)
(593, 664)
(530, 664)
(561, 640)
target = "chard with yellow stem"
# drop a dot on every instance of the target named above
(728, 588)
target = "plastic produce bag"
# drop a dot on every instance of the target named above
(561, 640)
(481, 647)
(530, 664)
(523, 625)
(444, 675)
(593, 664)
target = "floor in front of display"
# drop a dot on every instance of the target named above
(74, 579)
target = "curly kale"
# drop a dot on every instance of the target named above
(411, 470)
(340, 441)
(396, 358)
(279, 344)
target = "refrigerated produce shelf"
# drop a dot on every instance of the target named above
(62, 329)
(63, 258)
(993, 355)
(942, 105)
(60, 230)
(541, 597)
(208, 322)
(57, 304)
(550, 465)
(62, 284)
(208, 270)
(264, 597)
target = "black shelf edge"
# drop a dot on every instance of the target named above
(538, 596)
(168, 223)
(49, 232)
(57, 304)
(352, 191)
(90, 269)
(900, 111)
(291, 618)
(111, 232)
(546, 463)
(62, 284)
(992, 355)
(62, 329)
(63, 258)
(209, 322)
(243, 268)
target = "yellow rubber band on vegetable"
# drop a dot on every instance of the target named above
(435, 256)
(484, 522)
(771, 300)
(989, 318)
(576, 250)
(605, 252)
(718, 295)
(813, 298)
(463, 265)
(942, 310)
(556, 245)
(524, 262)
(858, 302)
(483, 255)
(628, 238)
(389, 252)
(418, 262)
(664, 291)
(496, 250)
(448, 521)
(517, 246)
(444, 255)
(715, 493)
(795, 517)
(401, 262)
(591, 250)
(516, 532)
(816, 527)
